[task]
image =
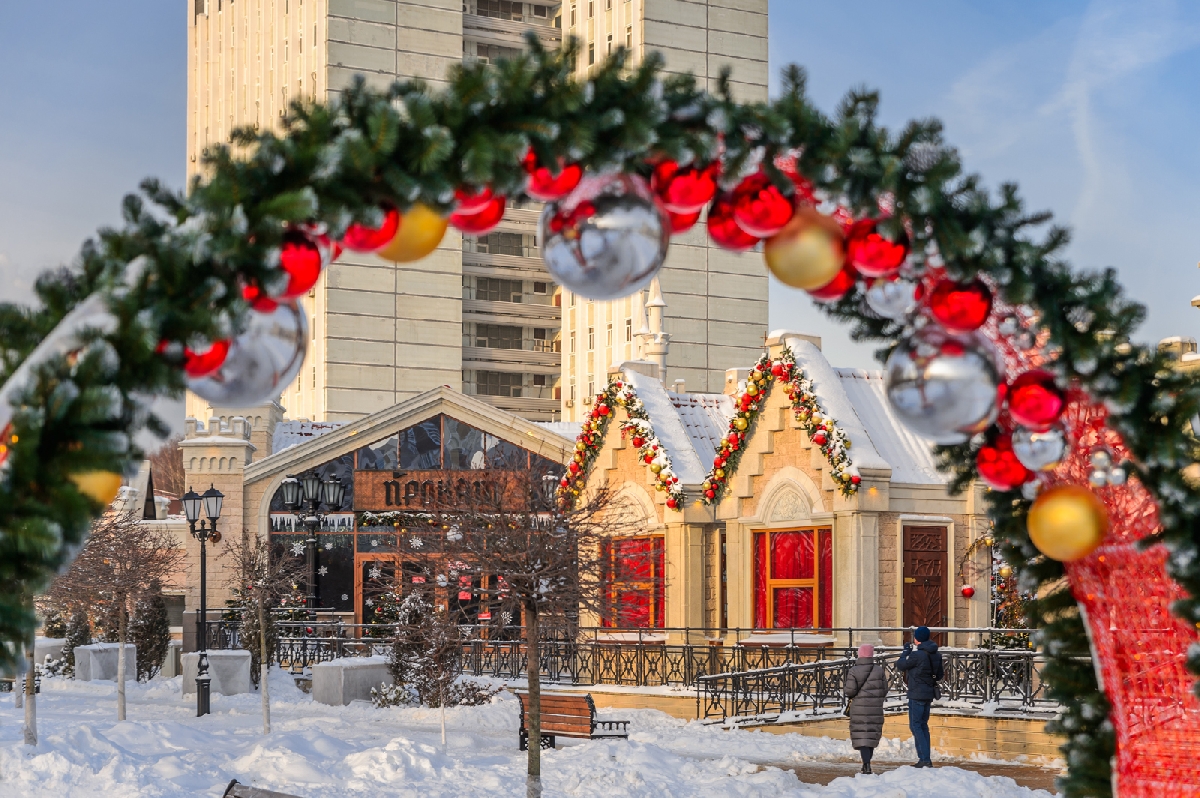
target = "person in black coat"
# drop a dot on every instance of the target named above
(866, 689)
(923, 668)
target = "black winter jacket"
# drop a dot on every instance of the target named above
(924, 667)
(866, 687)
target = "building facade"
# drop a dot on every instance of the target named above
(783, 551)
(480, 314)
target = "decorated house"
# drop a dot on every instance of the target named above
(792, 500)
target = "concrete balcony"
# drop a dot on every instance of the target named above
(532, 409)
(510, 266)
(509, 33)
(511, 360)
(515, 313)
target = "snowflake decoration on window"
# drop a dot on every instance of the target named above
(345, 597)
(506, 617)
(374, 543)
(416, 543)
(328, 547)
(297, 549)
(370, 602)
(322, 571)
(375, 573)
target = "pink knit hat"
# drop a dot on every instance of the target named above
(866, 650)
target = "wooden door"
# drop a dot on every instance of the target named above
(925, 569)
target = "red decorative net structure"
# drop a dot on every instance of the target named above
(1139, 645)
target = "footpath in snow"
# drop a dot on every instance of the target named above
(317, 751)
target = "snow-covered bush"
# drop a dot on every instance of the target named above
(394, 695)
(470, 693)
(427, 653)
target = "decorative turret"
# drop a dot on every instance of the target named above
(657, 342)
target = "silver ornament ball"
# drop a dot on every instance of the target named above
(943, 386)
(1039, 451)
(262, 360)
(893, 299)
(1097, 478)
(1101, 459)
(1117, 476)
(607, 238)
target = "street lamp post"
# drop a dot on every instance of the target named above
(204, 532)
(303, 496)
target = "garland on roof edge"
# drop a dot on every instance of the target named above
(180, 275)
(822, 429)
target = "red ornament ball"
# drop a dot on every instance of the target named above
(836, 288)
(685, 190)
(602, 410)
(301, 259)
(564, 482)
(361, 238)
(672, 503)
(968, 591)
(872, 254)
(819, 439)
(258, 299)
(682, 222)
(574, 468)
(723, 229)
(546, 186)
(638, 441)
(855, 479)
(710, 494)
(777, 369)
(759, 207)
(1035, 400)
(999, 466)
(477, 213)
(960, 307)
(200, 364)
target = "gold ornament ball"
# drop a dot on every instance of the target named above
(1067, 522)
(1005, 571)
(808, 252)
(740, 423)
(655, 467)
(99, 486)
(421, 230)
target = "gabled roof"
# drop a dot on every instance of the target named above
(705, 417)
(290, 433)
(332, 443)
(668, 426)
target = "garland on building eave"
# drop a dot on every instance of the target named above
(590, 442)
(182, 272)
(822, 429)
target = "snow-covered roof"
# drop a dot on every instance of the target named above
(705, 418)
(669, 428)
(836, 402)
(564, 429)
(290, 433)
(910, 455)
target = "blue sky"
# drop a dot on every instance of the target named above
(1092, 108)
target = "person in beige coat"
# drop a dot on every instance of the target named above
(866, 689)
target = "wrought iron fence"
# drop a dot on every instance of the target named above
(1007, 679)
(703, 658)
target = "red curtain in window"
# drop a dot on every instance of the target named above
(793, 607)
(825, 570)
(635, 569)
(791, 555)
(760, 581)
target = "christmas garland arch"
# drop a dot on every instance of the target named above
(193, 290)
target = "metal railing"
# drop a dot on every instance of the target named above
(1007, 679)
(678, 657)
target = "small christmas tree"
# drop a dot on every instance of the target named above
(427, 654)
(55, 624)
(151, 633)
(384, 610)
(79, 633)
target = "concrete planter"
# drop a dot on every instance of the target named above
(230, 672)
(98, 662)
(341, 681)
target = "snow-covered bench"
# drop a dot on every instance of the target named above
(568, 715)
(340, 681)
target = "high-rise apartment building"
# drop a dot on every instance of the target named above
(480, 314)
(712, 302)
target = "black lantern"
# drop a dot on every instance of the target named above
(312, 486)
(291, 492)
(191, 506)
(334, 490)
(212, 503)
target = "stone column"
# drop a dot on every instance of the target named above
(215, 456)
(684, 589)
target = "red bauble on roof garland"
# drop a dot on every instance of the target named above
(759, 207)
(363, 238)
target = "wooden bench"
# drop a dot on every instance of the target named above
(569, 715)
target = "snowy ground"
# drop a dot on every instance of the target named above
(315, 750)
